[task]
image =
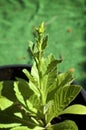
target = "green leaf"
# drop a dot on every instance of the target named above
(64, 96)
(4, 103)
(33, 82)
(34, 103)
(19, 94)
(24, 88)
(34, 72)
(20, 128)
(46, 63)
(51, 81)
(75, 109)
(65, 125)
(15, 114)
(50, 75)
(52, 65)
(44, 43)
(8, 115)
(9, 125)
(64, 79)
(49, 111)
(27, 128)
(61, 99)
(8, 90)
(51, 84)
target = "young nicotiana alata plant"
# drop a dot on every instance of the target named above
(33, 104)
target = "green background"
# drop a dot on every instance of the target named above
(65, 24)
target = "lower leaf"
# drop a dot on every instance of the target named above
(65, 125)
(26, 128)
(9, 125)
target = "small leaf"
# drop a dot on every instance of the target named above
(33, 84)
(44, 43)
(64, 79)
(52, 65)
(41, 28)
(34, 72)
(75, 109)
(5, 103)
(19, 94)
(65, 125)
(31, 45)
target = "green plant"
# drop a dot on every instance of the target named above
(33, 104)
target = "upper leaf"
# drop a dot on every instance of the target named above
(33, 80)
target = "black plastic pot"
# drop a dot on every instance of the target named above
(9, 72)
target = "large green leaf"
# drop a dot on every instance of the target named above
(64, 96)
(65, 125)
(57, 81)
(51, 81)
(15, 114)
(27, 128)
(49, 76)
(75, 109)
(61, 99)
(9, 125)
(22, 91)
(19, 94)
